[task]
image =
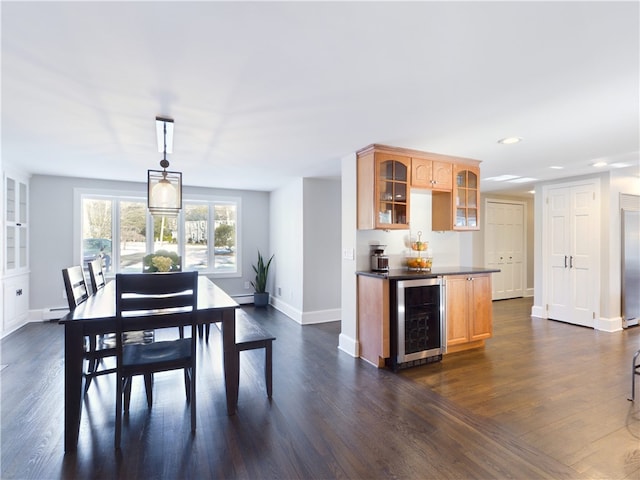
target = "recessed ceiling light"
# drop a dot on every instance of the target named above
(523, 180)
(502, 178)
(556, 167)
(532, 192)
(620, 165)
(510, 140)
(600, 164)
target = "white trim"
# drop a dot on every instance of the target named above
(348, 345)
(321, 316)
(287, 309)
(140, 195)
(538, 312)
(608, 324)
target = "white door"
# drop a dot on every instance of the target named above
(573, 242)
(504, 247)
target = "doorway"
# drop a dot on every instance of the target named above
(505, 241)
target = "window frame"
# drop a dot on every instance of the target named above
(136, 196)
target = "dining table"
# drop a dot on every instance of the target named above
(97, 316)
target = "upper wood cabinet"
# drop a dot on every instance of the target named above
(431, 174)
(383, 191)
(460, 209)
(386, 175)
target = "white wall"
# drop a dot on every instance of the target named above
(348, 339)
(51, 232)
(305, 237)
(286, 240)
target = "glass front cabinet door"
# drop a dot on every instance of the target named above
(392, 191)
(16, 246)
(466, 198)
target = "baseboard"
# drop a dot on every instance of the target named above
(306, 318)
(608, 324)
(243, 299)
(538, 311)
(46, 314)
(321, 316)
(288, 310)
(348, 345)
(528, 292)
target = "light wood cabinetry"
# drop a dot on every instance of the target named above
(383, 191)
(373, 320)
(469, 311)
(386, 174)
(15, 289)
(460, 209)
(432, 174)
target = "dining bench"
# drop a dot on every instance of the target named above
(250, 335)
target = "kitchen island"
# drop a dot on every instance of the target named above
(467, 319)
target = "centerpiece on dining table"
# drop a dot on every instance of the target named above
(162, 261)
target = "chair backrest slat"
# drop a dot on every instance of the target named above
(75, 286)
(96, 274)
(158, 294)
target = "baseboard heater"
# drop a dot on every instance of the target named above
(54, 314)
(243, 299)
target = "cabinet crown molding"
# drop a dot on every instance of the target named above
(408, 152)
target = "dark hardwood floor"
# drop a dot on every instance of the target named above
(542, 400)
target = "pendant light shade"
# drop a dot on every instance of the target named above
(164, 188)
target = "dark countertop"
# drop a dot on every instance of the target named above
(404, 274)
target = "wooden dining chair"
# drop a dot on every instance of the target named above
(77, 292)
(96, 274)
(163, 300)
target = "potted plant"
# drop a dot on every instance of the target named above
(260, 295)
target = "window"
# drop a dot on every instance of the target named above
(201, 224)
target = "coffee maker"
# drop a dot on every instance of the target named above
(379, 261)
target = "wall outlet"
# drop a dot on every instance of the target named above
(279, 291)
(348, 254)
(247, 285)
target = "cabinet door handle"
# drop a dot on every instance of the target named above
(565, 261)
(19, 292)
(571, 261)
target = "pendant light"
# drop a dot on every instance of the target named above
(164, 188)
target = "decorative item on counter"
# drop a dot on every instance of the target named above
(379, 261)
(416, 262)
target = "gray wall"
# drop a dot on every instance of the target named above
(322, 244)
(51, 232)
(305, 239)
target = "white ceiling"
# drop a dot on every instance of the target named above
(266, 92)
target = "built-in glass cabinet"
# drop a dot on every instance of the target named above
(392, 192)
(15, 281)
(467, 195)
(16, 226)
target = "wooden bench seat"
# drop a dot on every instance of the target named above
(250, 336)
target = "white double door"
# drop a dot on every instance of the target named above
(571, 264)
(504, 247)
